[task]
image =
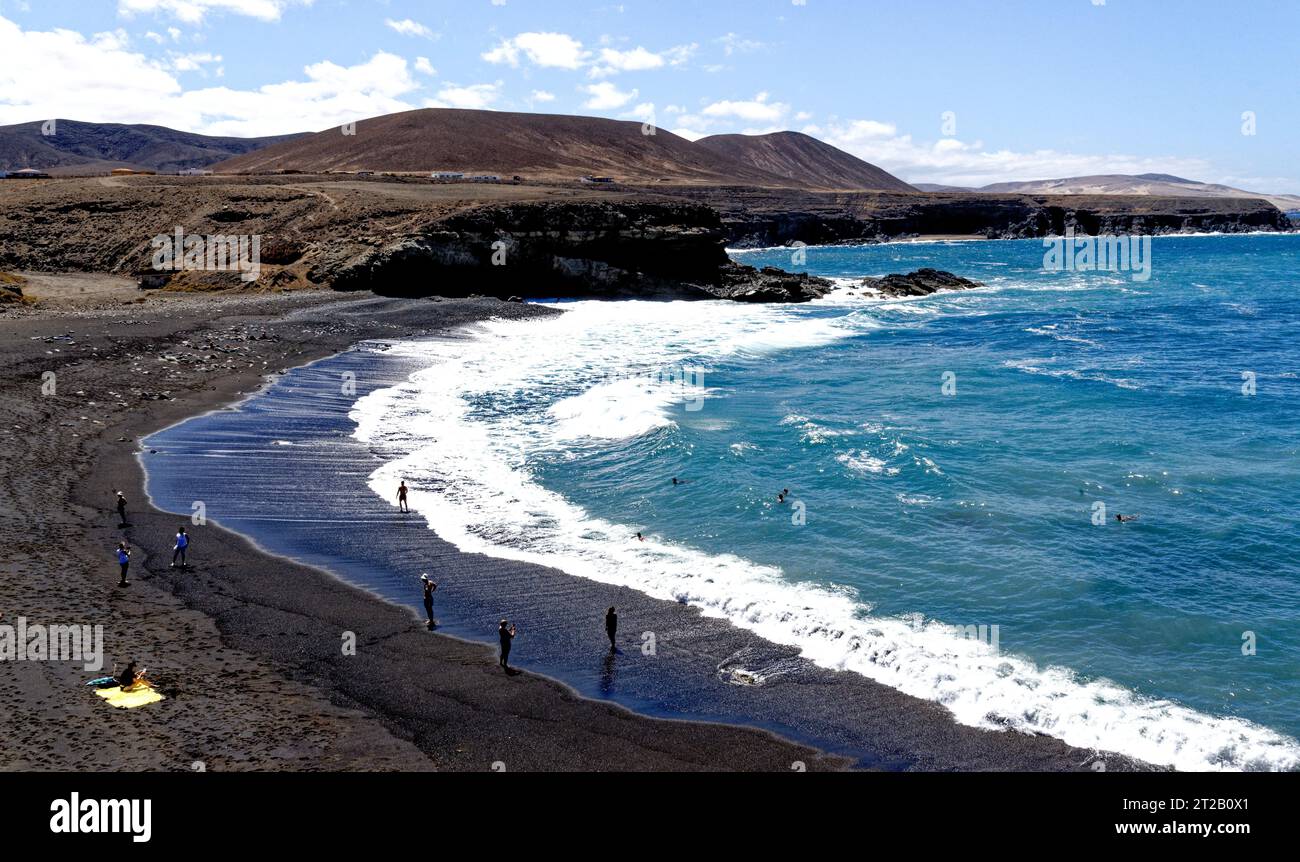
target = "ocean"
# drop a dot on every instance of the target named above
(954, 467)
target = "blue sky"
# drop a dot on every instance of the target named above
(960, 91)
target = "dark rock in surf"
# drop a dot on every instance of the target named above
(769, 284)
(922, 282)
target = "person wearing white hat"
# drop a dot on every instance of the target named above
(429, 587)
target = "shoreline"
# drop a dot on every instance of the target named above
(944, 239)
(268, 625)
(822, 708)
(274, 624)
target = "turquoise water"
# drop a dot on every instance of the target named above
(915, 507)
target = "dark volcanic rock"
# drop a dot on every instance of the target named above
(923, 282)
(634, 249)
(759, 218)
(769, 284)
(659, 250)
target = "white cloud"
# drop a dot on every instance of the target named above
(61, 73)
(690, 134)
(407, 27)
(951, 161)
(862, 130)
(553, 50)
(475, 96)
(542, 96)
(606, 97)
(733, 43)
(638, 59)
(756, 110)
(191, 62)
(562, 51)
(193, 11)
(424, 67)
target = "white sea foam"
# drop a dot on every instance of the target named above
(462, 434)
(863, 462)
(615, 410)
(1031, 366)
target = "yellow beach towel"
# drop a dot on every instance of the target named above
(129, 699)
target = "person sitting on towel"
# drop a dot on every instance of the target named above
(130, 676)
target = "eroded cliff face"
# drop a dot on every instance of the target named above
(651, 250)
(400, 238)
(761, 218)
(410, 237)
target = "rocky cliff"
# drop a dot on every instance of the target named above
(412, 237)
(395, 238)
(764, 217)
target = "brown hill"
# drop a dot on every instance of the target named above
(71, 146)
(806, 161)
(535, 146)
(1162, 185)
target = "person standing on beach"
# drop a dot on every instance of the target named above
(611, 627)
(121, 509)
(507, 634)
(429, 587)
(401, 497)
(178, 552)
(123, 560)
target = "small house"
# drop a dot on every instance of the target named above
(447, 175)
(28, 174)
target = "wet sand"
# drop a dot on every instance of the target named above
(247, 648)
(247, 645)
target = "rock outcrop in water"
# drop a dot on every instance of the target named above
(769, 284)
(922, 282)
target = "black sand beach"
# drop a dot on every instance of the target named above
(247, 645)
(283, 469)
